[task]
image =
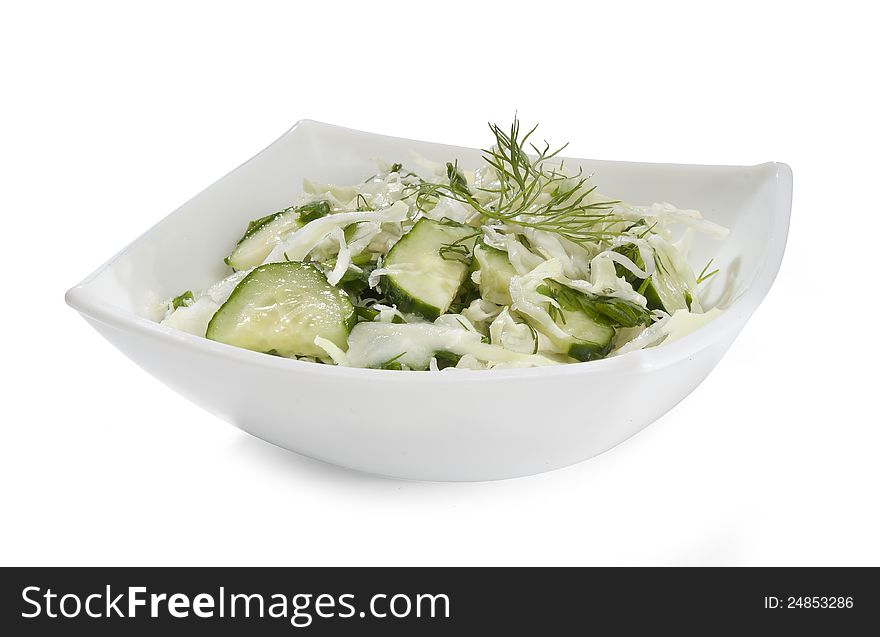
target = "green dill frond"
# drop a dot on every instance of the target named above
(458, 250)
(704, 276)
(533, 191)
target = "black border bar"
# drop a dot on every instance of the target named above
(544, 601)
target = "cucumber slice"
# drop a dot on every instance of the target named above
(589, 339)
(588, 320)
(260, 237)
(281, 308)
(422, 281)
(495, 273)
(663, 290)
(262, 234)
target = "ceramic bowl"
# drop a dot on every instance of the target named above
(468, 425)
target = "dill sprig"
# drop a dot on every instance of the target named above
(704, 275)
(533, 191)
(459, 250)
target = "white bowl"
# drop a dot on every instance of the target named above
(469, 425)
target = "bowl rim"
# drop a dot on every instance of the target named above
(731, 320)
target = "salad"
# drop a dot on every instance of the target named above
(425, 266)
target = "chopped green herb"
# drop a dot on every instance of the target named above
(607, 310)
(182, 300)
(446, 359)
(392, 363)
(315, 210)
(459, 250)
(366, 313)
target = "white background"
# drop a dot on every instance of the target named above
(113, 115)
